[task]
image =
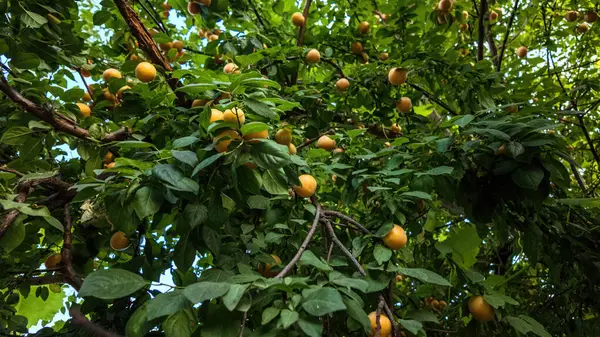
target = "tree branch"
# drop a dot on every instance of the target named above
(588, 139)
(483, 8)
(42, 280)
(306, 241)
(348, 219)
(243, 323)
(378, 316)
(24, 190)
(79, 319)
(310, 141)
(343, 248)
(66, 256)
(390, 314)
(56, 120)
(510, 23)
(85, 84)
(303, 28)
(492, 44)
(433, 98)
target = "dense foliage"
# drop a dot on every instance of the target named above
(254, 168)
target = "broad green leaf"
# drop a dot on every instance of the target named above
(519, 324)
(464, 245)
(422, 316)
(382, 254)
(15, 136)
(309, 258)
(258, 202)
(180, 324)
(413, 326)
(175, 179)
(197, 88)
(138, 325)
(45, 310)
(234, 295)
(195, 214)
(111, 284)
(269, 314)
(203, 291)
(323, 301)
(417, 194)
(351, 282)
(13, 237)
(528, 178)
(423, 275)
(288, 317)
(147, 201)
(312, 327)
(437, 171)
(187, 157)
(270, 155)
(26, 60)
(274, 182)
(206, 163)
(356, 311)
(260, 109)
(167, 304)
(581, 202)
(536, 327)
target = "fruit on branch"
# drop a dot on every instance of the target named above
(134, 57)
(86, 111)
(266, 269)
(199, 102)
(337, 150)
(384, 323)
(109, 96)
(166, 46)
(283, 136)
(493, 16)
(145, 72)
(111, 73)
(110, 165)
(194, 8)
(522, 51)
(383, 56)
(253, 137)
(400, 277)
(119, 240)
(480, 309)
(166, 6)
(292, 148)
(364, 27)
(313, 56)
(108, 157)
(465, 15)
(52, 261)
(396, 239)
(215, 115)
(397, 76)
(404, 104)
(444, 5)
(387, 144)
(225, 138)
(396, 128)
(583, 27)
(590, 17)
(298, 19)
(571, 16)
(501, 150)
(230, 68)
(364, 58)
(120, 91)
(326, 143)
(213, 37)
(342, 84)
(308, 186)
(356, 47)
(463, 27)
(86, 96)
(235, 115)
(178, 45)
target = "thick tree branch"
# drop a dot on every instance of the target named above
(390, 314)
(378, 316)
(492, 44)
(23, 192)
(433, 98)
(588, 139)
(510, 23)
(483, 8)
(79, 319)
(56, 120)
(343, 248)
(575, 172)
(301, 32)
(43, 280)
(15, 172)
(66, 256)
(309, 236)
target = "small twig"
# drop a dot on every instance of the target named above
(15, 172)
(588, 139)
(243, 324)
(43, 280)
(433, 98)
(329, 252)
(260, 20)
(158, 21)
(333, 64)
(347, 218)
(378, 316)
(66, 257)
(195, 51)
(85, 84)
(301, 32)
(343, 248)
(9, 70)
(390, 314)
(510, 23)
(309, 236)
(575, 172)
(483, 7)
(310, 141)
(79, 319)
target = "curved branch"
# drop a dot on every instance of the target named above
(80, 320)
(433, 98)
(306, 241)
(347, 218)
(24, 190)
(66, 256)
(510, 23)
(343, 248)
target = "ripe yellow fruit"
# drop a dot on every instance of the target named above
(225, 138)
(119, 241)
(178, 45)
(213, 37)
(109, 96)
(342, 84)
(266, 269)
(463, 27)
(166, 46)
(404, 104)
(387, 144)
(292, 148)
(384, 323)
(313, 56)
(480, 309)
(236, 115)
(229, 68)
(522, 52)
(397, 76)
(199, 102)
(364, 27)
(383, 56)
(86, 111)
(111, 165)
(85, 72)
(253, 137)
(356, 47)
(123, 88)
(442, 305)
(396, 238)
(590, 17)
(465, 15)
(108, 157)
(298, 19)
(435, 304)
(86, 96)
(216, 115)
(493, 16)
(337, 150)
(396, 128)
(283, 136)
(134, 57)
(583, 27)
(52, 261)
(111, 73)
(399, 277)
(308, 186)
(571, 16)
(326, 143)
(194, 8)
(444, 5)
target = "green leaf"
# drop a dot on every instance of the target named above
(355, 310)
(323, 301)
(111, 284)
(269, 314)
(197, 88)
(212, 240)
(422, 316)
(206, 163)
(270, 155)
(311, 327)
(581, 202)
(174, 178)
(137, 325)
(38, 175)
(16, 135)
(499, 300)
(133, 144)
(464, 244)
(536, 327)
(234, 295)
(260, 109)
(423, 275)
(464, 120)
(493, 133)
(288, 317)
(417, 194)
(45, 309)
(519, 324)
(25, 208)
(167, 304)
(101, 17)
(187, 157)
(25, 61)
(33, 20)
(185, 253)
(410, 325)
(309, 258)
(180, 324)
(260, 82)
(528, 178)
(147, 201)
(382, 254)
(350, 282)
(13, 237)
(440, 170)
(31, 148)
(94, 163)
(274, 182)
(258, 202)
(195, 214)
(253, 127)
(202, 291)
(184, 141)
